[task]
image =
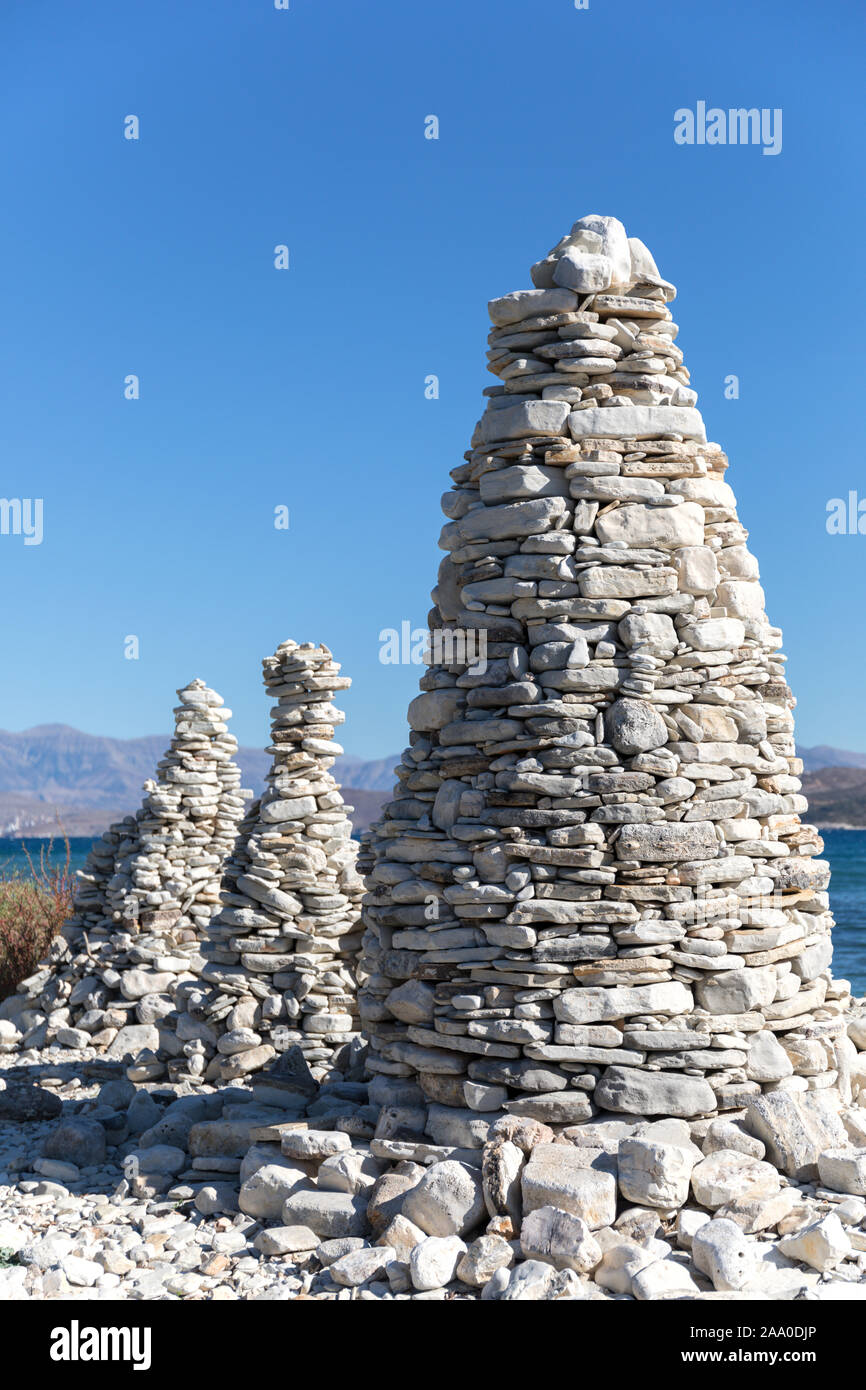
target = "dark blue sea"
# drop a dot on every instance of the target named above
(845, 849)
(14, 860)
(846, 852)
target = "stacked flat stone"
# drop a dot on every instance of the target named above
(168, 874)
(148, 891)
(594, 890)
(279, 968)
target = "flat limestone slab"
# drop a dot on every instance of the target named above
(637, 422)
(640, 1092)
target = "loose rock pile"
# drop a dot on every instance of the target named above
(148, 890)
(279, 957)
(593, 891)
(110, 1190)
(767, 1205)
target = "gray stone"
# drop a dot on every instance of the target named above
(20, 1103)
(78, 1140)
(525, 421)
(557, 1176)
(640, 1092)
(159, 1159)
(461, 1129)
(286, 1240)
(667, 842)
(132, 1039)
(634, 727)
(314, 1144)
(327, 1213)
(449, 1200)
(263, 1193)
(360, 1266)
(142, 1113)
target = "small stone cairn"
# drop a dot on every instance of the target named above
(279, 957)
(148, 891)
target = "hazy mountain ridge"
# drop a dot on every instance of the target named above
(837, 796)
(824, 756)
(55, 777)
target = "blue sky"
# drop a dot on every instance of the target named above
(305, 388)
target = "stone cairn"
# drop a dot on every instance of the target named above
(279, 957)
(627, 912)
(148, 891)
(607, 1057)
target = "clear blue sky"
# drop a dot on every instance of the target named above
(306, 387)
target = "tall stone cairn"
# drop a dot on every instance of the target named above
(279, 959)
(148, 891)
(593, 891)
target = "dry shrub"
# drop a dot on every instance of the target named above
(32, 910)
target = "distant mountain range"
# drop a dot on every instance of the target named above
(837, 796)
(53, 778)
(823, 756)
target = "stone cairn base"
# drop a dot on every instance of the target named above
(148, 891)
(279, 957)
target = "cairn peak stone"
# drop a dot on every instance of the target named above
(595, 892)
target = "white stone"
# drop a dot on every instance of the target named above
(729, 1176)
(843, 1170)
(823, 1245)
(639, 422)
(721, 1251)
(768, 1060)
(522, 304)
(663, 1279)
(654, 1174)
(556, 1176)
(433, 1262)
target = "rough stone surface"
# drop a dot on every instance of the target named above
(278, 971)
(599, 818)
(146, 895)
